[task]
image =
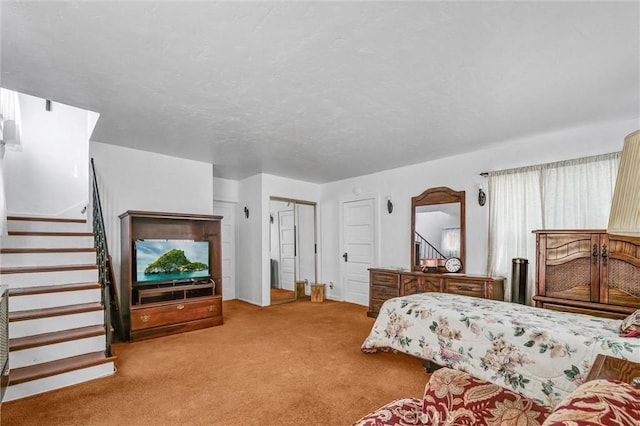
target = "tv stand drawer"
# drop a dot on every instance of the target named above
(182, 311)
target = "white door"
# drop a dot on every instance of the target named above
(358, 249)
(287, 249)
(228, 212)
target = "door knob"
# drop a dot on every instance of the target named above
(346, 256)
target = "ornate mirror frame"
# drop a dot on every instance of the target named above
(435, 196)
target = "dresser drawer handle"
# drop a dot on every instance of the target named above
(464, 288)
(145, 318)
(180, 307)
(210, 308)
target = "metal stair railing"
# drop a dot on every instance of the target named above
(105, 268)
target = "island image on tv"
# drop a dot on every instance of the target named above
(171, 260)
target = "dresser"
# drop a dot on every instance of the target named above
(387, 283)
(587, 271)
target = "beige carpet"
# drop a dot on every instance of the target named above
(290, 364)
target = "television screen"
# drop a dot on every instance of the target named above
(171, 260)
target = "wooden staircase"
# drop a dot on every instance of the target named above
(57, 334)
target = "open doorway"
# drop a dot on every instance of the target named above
(292, 249)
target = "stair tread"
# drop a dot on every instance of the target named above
(20, 343)
(46, 219)
(54, 268)
(52, 312)
(25, 291)
(52, 368)
(46, 250)
(49, 234)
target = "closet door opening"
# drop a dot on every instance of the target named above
(292, 249)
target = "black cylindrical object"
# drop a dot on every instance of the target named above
(519, 280)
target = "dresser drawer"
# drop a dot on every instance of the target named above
(465, 288)
(412, 284)
(382, 292)
(175, 313)
(385, 279)
(374, 307)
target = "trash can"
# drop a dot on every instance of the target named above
(519, 268)
(300, 289)
(317, 292)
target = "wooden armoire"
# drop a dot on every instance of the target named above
(587, 271)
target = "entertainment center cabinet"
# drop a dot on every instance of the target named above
(158, 307)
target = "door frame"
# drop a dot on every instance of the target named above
(375, 196)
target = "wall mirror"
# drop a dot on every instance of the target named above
(437, 229)
(292, 240)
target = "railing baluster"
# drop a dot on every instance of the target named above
(426, 250)
(102, 257)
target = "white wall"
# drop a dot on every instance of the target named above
(225, 190)
(250, 242)
(49, 176)
(459, 173)
(130, 179)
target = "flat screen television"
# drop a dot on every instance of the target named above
(170, 260)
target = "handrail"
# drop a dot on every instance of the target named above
(424, 247)
(104, 266)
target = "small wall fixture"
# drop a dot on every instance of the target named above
(246, 212)
(47, 104)
(389, 206)
(482, 197)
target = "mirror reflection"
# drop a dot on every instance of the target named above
(292, 249)
(438, 228)
(437, 232)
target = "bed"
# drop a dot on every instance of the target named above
(540, 353)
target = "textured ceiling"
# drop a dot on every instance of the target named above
(320, 91)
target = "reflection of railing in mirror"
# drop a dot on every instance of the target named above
(425, 250)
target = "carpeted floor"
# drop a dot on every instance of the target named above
(290, 364)
(279, 295)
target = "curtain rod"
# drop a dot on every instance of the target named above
(562, 162)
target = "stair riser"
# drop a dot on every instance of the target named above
(12, 260)
(51, 324)
(28, 241)
(38, 355)
(40, 226)
(33, 279)
(51, 300)
(59, 381)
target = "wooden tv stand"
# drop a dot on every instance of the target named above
(156, 309)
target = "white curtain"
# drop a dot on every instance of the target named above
(450, 242)
(571, 194)
(10, 136)
(515, 209)
(577, 194)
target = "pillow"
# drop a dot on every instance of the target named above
(407, 411)
(598, 402)
(630, 326)
(453, 397)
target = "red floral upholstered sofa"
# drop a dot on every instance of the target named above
(456, 398)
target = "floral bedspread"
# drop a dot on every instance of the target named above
(540, 353)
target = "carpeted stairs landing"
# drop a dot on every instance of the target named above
(291, 364)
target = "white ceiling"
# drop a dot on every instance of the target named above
(320, 91)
